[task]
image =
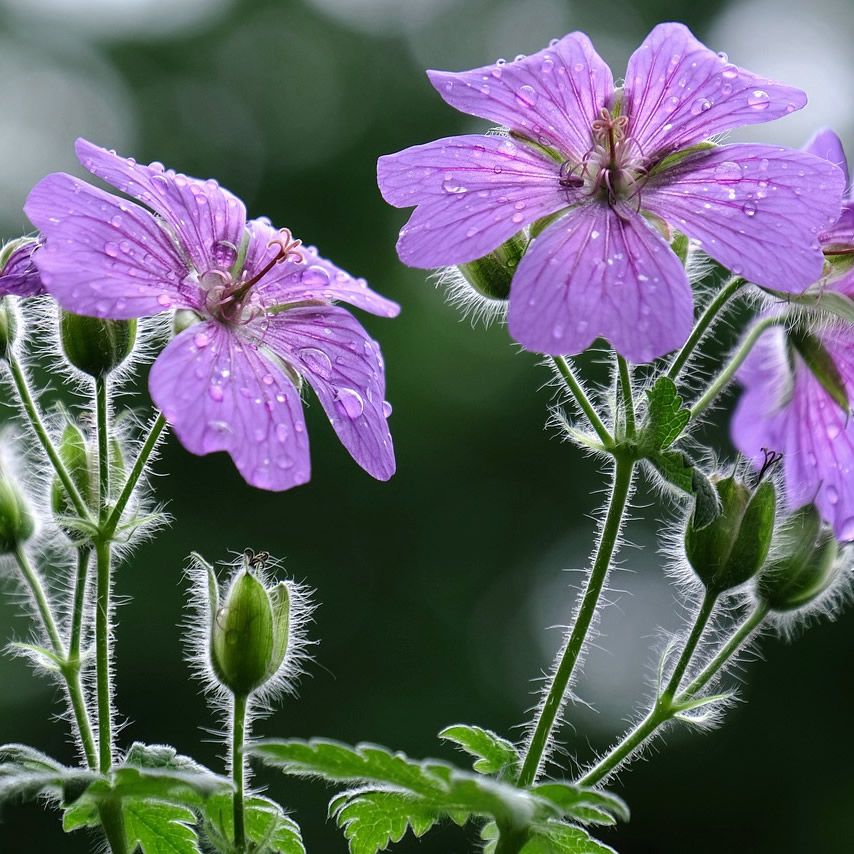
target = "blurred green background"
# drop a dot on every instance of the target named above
(437, 586)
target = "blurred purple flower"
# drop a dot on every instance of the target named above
(615, 166)
(19, 275)
(786, 408)
(230, 382)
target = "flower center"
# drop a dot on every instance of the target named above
(229, 293)
(613, 169)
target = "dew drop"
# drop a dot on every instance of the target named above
(758, 99)
(730, 72)
(749, 209)
(449, 185)
(700, 106)
(317, 361)
(832, 494)
(526, 95)
(386, 409)
(165, 300)
(216, 393)
(351, 402)
(728, 172)
(314, 277)
(201, 340)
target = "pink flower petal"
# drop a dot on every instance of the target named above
(755, 208)
(598, 273)
(473, 193)
(551, 96)
(207, 219)
(103, 256)
(220, 393)
(678, 93)
(343, 365)
(825, 143)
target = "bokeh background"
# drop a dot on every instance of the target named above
(436, 588)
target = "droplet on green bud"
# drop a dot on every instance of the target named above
(249, 631)
(8, 326)
(491, 275)
(732, 549)
(803, 564)
(93, 345)
(16, 520)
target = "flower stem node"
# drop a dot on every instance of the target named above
(249, 631)
(803, 565)
(732, 549)
(16, 520)
(94, 345)
(491, 275)
(8, 326)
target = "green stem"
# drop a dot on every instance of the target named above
(623, 473)
(700, 623)
(83, 555)
(734, 364)
(628, 399)
(31, 410)
(102, 655)
(709, 314)
(113, 824)
(70, 675)
(102, 415)
(238, 737)
(511, 840)
(577, 391)
(154, 433)
(666, 706)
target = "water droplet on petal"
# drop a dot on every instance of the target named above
(386, 408)
(314, 277)
(351, 401)
(749, 209)
(728, 172)
(758, 99)
(165, 300)
(526, 95)
(317, 361)
(216, 393)
(450, 185)
(700, 106)
(201, 340)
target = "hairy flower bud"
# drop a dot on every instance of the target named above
(804, 563)
(75, 455)
(8, 326)
(491, 275)
(93, 345)
(732, 548)
(249, 631)
(16, 521)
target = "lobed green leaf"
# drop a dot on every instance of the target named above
(495, 755)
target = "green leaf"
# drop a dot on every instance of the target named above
(677, 469)
(559, 838)
(372, 820)
(666, 416)
(267, 826)
(496, 755)
(26, 773)
(589, 806)
(80, 815)
(160, 828)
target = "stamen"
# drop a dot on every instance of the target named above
(288, 247)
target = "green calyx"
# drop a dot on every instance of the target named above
(94, 345)
(732, 548)
(248, 632)
(8, 326)
(16, 521)
(491, 275)
(803, 565)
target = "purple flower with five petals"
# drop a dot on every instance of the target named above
(19, 275)
(613, 170)
(265, 307)
(786, 407)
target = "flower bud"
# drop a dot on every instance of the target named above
(491, 275)
(75, 455)
(732, 548)
(16, 521)
(249, 633)
(8, 326)
(803, 564)
(94, 345)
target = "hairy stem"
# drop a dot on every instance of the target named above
(666, 706)
(102, 415)
(628, 399)
(238, 737)
(113, 824)
(578, 393)
(154, 433)
(723, 378)
(102, 655)
(623, 472)
(34, 417)
(70, 673)
(700, 623)
(708, 316)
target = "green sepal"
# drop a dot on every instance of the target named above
(280, 605)
(94, 345)
(8, 326)
(546, 150)
(679, 156)
(492, 275)
(821, 365)
(676, 468)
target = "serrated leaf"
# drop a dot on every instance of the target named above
(79, 816)
(372, 820)
(26, 773)
(560, 838)
(160, 828)
(267, 826)
(589, 806)
(496, 755)
(666, 417)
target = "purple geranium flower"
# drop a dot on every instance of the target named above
(230, 382)
(19, 275)
(616, 167)
(787, 408)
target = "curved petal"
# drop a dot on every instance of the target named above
(598, 273)
(825, 143)
(329, 347)
(313, 278)
(207, 219)
(220, 393)
(551, 96)
(678, 92)
(754, 208)
(473, 193)
(19, 276)
(841, 233)
(103, 256)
